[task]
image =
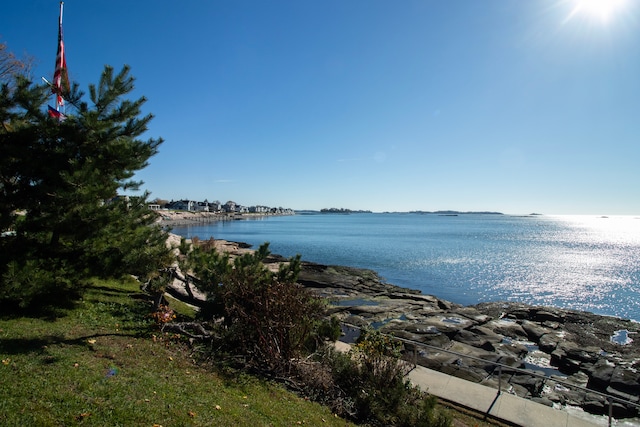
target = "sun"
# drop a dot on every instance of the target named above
(601, 10)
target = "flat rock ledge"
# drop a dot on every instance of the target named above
(579, 348)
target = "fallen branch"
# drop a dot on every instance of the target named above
(193, 330)
(186, 279)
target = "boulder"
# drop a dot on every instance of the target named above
(595, 406)
(547, 315)
(481, 338)
(534, 330)
(424, 299)
(513, 350)
(487, 333)
(368, 311)
(566, 365)
(520, 313)
(486, 357)
(568, 356)
(626, 379)
(588, 354)
(600, 374)
(506, 327)
(518, 390)
(461, 370)
(622, 395)
(426, 334)
(549, 342)
(472, 314)
(448, 324)
(444, 305)
(580, 379)
(532, 384)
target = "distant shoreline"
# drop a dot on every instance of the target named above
(169, 218)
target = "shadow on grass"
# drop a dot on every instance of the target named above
(15, 346)
(52, 309)
(28, 345)
(130, 316)
(110, 290)
(47, 311)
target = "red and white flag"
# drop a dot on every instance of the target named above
(60, 76)
(55, 113)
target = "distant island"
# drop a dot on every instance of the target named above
(341, 211)
(458, 212)
(442, 213)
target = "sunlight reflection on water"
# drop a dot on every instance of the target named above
(579, 262)
(588, 265)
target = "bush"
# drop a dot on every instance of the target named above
(369, 385)
(327, 330)
(268, 319)
(265, 315)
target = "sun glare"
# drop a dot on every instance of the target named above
(601, 10)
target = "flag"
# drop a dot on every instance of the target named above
(60, 76)
(56, 114)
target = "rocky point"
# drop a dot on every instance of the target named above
(566, 347)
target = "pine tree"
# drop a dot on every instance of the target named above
(61, 216)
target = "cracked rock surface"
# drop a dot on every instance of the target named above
(601, 353)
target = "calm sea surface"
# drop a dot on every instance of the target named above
(580, 262)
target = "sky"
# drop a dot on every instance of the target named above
(474, 105)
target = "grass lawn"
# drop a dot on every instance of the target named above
(103, 363)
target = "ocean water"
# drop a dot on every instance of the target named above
(581, 262)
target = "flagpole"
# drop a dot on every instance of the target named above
(62, 56)
(60, 80)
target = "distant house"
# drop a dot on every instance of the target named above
(183, 205)
(177, 206)
(229, 207)
(259, 209)
(215, 206)
(202, 207)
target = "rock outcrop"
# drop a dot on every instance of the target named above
(567, 347)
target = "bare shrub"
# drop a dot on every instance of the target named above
(266, 316)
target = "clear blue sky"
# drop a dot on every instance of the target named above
(504, 105)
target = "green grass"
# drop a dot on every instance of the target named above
(103, 363)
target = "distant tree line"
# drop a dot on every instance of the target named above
(341, 210)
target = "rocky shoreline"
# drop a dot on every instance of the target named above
(564, 347)
(180, 218)
(580, 348)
